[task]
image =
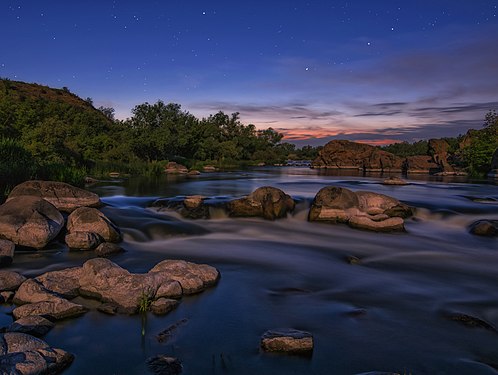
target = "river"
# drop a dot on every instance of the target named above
(386, 311)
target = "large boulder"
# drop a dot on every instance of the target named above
(363, 209)
(10, 280)
(32, 291)
(439, 150)
(63, 196)
(86, 219)
(30, 221)
(23, 354)
(267, 202)
(193, 277)
(6, 252)
(341, 154)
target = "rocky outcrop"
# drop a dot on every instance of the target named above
(341, 154)
(420, 164)
(63, 196)
(29, 221)
(363, 209)
(267, 202)
(175, 168)
(289, 341)
(22, 354)
(86, 219)
(6, 252)
(439, 150)
(487, 228)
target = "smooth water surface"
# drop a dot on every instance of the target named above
(387, 311)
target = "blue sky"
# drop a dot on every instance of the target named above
(371, 71)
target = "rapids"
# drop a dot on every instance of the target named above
(373, 301)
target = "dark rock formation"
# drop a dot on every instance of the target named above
(439, 150)
(267, 202)
(342, 154)
(22, 354)
(488, 228)
(6, 252)
(287, 341)
(29, 221)
(63, 196)
(363, 209)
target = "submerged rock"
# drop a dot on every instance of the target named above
(290, 341)
(164, 365)
(163, 305)
(6, 252)
(22, 354)
(63, 196)
(363, 209)
(394, 181)
(267, 202)
(30, 221)
(86, 219)
(488, 228)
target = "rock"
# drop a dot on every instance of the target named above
(439, 150)
(193, 278)
(106, 249)
(267, 202)
(108, 308)
(209, 168)
(6, 252)
(22, 354)
(35, 325)
(163, 365)
(56, 309)
(493, 173)
(83, 240)
(7, 296)
(163, 305)
(394, 181)
(175, 168)
(63, 196)
(194, 172)
(106, 281)
(363, 209)
(341, 154)
(86, 219)
(288, 341)
(10, 280)
(420, 164)
(29, 221)
(32, 291)
(190, 207)
(488, 228)
(63, 282)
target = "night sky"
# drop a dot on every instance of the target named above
(372, 70)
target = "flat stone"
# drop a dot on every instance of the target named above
(55, 309)
(63, 282)
(32, 291)
(288, 341)
(393, 224)
(35, 325)
(163, 306)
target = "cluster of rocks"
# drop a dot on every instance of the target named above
(342, 154)
(37, 212)
(176, 168)
(47, 298)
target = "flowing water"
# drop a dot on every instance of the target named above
(388, 310)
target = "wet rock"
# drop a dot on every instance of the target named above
(488, 228)
(166, 334)
(22, 354)
(86, 219)
(164, 365)
(35, 325)
(394, 181)
(439, 149)
(63, 196)
(6, 252)
(63, 282)
(163, 306)
(83, 240)
(106, 281)
(193, 277)
(30, 221)
(267, 202)
(194, 172)
(32, 291)
(10, 280)
(287, 341)
(56, 309)
(106, 249)
(108, 308)
(363, 209)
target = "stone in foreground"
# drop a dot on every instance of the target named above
(87, 219)
(63, 196)
(22, 354)
(30, 221)
(287, 341)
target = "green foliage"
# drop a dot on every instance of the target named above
(145, 301)
(405, 149)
